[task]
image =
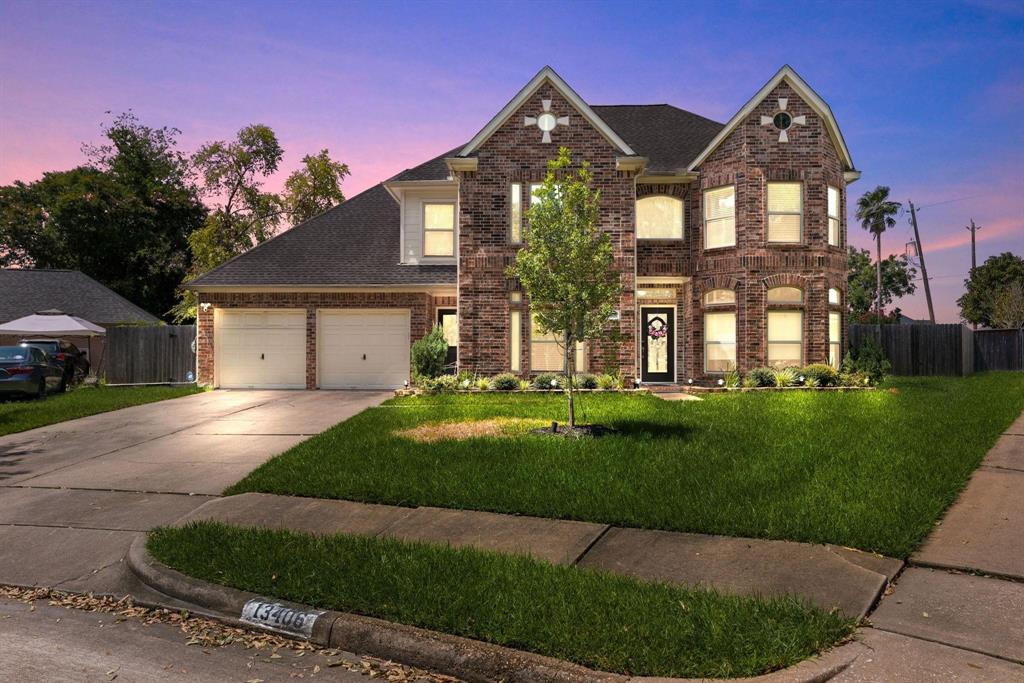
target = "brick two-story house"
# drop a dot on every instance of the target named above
(730, 240)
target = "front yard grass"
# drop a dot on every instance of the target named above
(868, 469)
(598, 620)
(17, 416)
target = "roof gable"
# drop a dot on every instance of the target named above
(547, 74)
(813, 100)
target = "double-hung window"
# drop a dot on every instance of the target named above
(719, 341)
(438, 229)
(547, 353)
(833, 216)
(517, 216)
(720, 217)
(785, 338)
(785, 213)
(835, 324)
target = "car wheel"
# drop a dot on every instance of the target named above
(41, 392)
(63, 386)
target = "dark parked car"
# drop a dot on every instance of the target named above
(27, 371)
(73, 362)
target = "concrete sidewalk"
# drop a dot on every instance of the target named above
(828, 576)
(965, 586)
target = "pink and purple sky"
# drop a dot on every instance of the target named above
(930, 96)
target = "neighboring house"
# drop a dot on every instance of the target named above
(731, 240)
(24, 291)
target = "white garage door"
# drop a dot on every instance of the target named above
(260, 349)
(363, 348)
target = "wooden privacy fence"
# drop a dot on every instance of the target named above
(947, 349)
(921, 349)
(150, 355)
(998, 350)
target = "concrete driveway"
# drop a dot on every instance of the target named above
(74, 494)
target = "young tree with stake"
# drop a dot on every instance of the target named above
(567, 266)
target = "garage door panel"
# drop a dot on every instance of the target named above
(260, 348)
(366, 349)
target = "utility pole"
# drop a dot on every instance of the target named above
(924, 269)
(974, 252)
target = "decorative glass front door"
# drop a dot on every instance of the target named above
(658, 354)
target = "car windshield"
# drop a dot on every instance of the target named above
(50, 347)
(13, 353)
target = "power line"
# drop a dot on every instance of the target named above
(949, 201)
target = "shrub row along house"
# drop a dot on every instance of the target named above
(730, 240)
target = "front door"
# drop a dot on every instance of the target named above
(658, 352)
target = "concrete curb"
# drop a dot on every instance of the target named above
(464, 658)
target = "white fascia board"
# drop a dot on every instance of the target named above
(396, 187)
(546, 74)
(786, 73)
(456, 164)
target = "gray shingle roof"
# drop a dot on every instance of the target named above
(356, 244)
(669, 137)
(27, 291)
(435, 169)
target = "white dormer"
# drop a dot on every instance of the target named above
(429, 221)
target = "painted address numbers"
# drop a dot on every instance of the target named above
(278, 617)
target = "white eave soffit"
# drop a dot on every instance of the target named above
(546, 74)
(786, 73)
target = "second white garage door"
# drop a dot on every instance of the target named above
(363, 348)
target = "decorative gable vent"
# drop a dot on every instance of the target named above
(546, 121)
(783, 120)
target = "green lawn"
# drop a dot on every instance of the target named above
(871, 470)
(599, 620)
(17, 416)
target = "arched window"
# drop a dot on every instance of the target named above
(834, 296)
(720, 296)
(659, 217)
(785, 295)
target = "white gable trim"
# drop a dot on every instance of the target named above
(546, 74)
(812, 98)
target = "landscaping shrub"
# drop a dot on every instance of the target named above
(586, 381)
(442, 384)
(732, 379)
(786, 377)
(867, 359)
(609, 382)
(428, 354)
(820, 375)
(544, 381)
(506, 381)
(760, 377)
(483, 384)
(466, 376)
(524, 384)
(854, 379)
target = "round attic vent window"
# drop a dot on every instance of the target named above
(547, 121)
(782, 120)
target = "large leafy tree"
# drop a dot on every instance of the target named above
(877, 213)
(994, 281)
(244, 214)
(567, 264)
(122, 219)
(862, 282)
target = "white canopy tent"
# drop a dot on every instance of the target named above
(53, 324)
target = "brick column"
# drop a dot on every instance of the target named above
(310, 347)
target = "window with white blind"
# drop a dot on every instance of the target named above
(515, 228)
(720, 217)
(834, 332)
(719, 341)
(833, 216)
(785, 295)
(785, 338)
(834, 296)
(659, 217)
(438, 229)
(547, 354)
(785, 202)
(516, 341)
(720, 296)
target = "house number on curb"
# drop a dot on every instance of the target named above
(277, 617)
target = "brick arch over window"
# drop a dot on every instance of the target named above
(719, 282)
(786, 280)
(676, 190)
(836, 281)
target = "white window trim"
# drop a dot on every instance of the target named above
(769, 341)
(769, 213)
(455, 220)
(718, 343)
(837, 218)
(682, 222)
(705, 221)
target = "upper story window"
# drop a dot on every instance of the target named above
(659, 217)
(833, 216)
(438, 229)
(720, 217)
(785, 295)
(516, 214)
(833, 296)
(720, 296)
(785, 202)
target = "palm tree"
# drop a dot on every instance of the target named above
(876, 215)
